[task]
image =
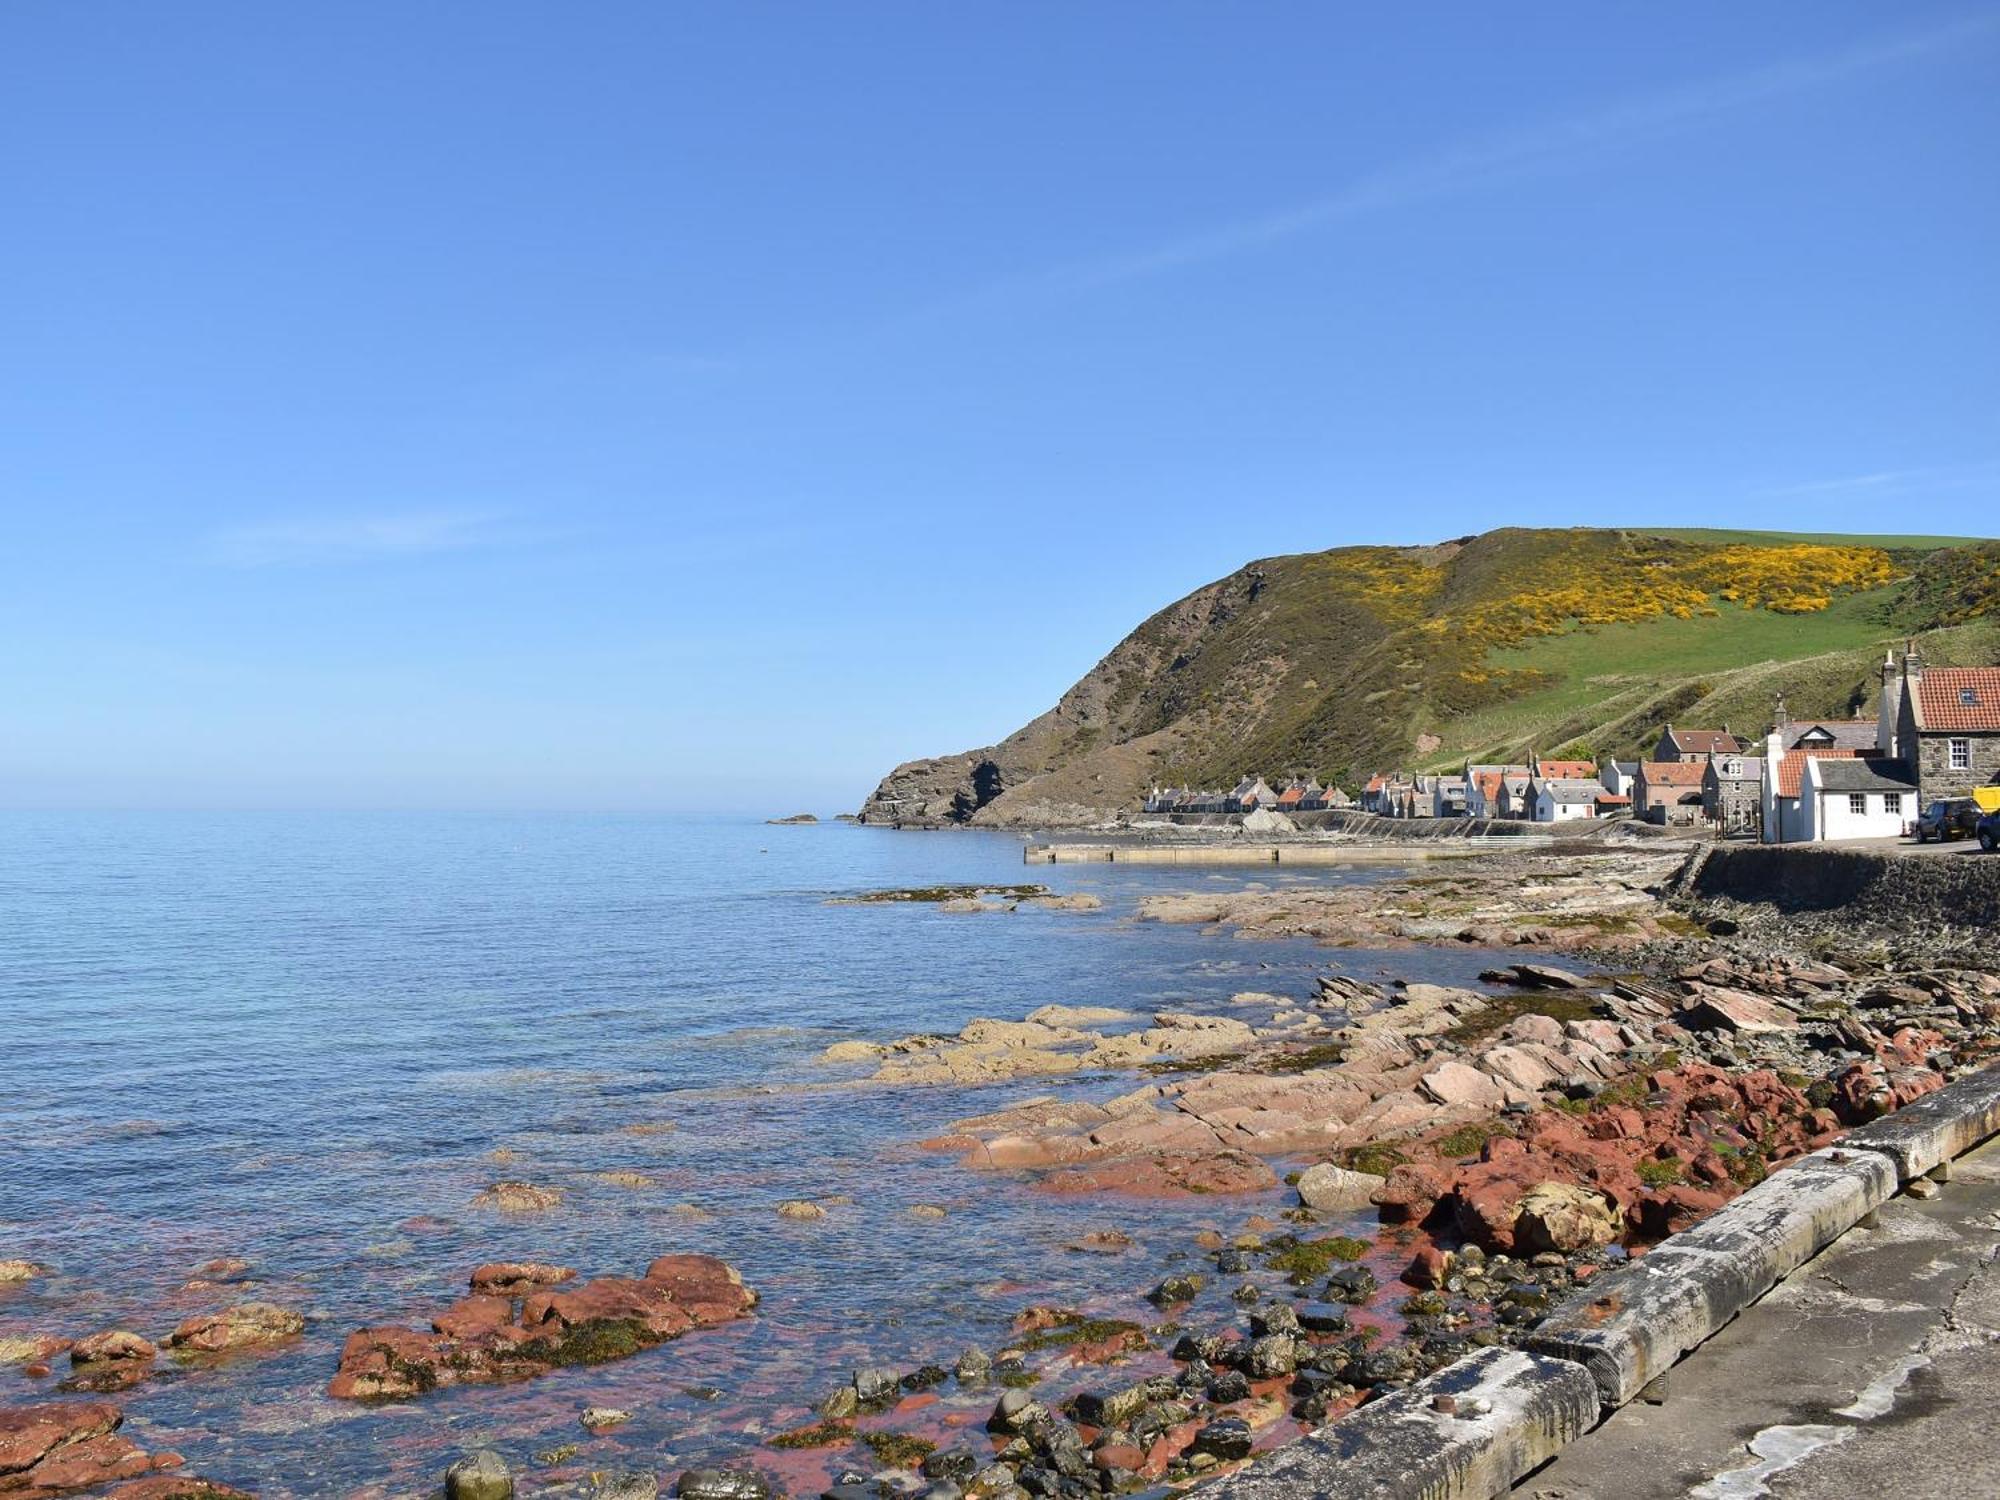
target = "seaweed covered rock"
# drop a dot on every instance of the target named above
(484, 1339)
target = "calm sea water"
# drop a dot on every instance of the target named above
(298, 1039)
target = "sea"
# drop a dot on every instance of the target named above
(309, 1041)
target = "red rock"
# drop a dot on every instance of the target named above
(1410, 1193)
(177, 1487)
(515, 1278)
(1670, 1210)
(113, 1344)
(1123, 1457)
(469, 1317)
(1168, 1174)
(1428, 1268)
(480, 1340)
(247, 1325)
(57, 1447)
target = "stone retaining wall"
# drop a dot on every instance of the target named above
(1960, 887)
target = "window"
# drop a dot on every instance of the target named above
(1892, 803)
(1968, 698)
(1961, 755)
(1857, 803)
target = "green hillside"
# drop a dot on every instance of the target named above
(1359, 659)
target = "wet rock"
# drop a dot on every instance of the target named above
(30, 1348)
(517, 1278)
(605, 1319)
(480, 1476)
(1352, 1285)
(1274, 1354)
(926, 1377)
(112, 1345)
(876, 1384)
(247, 1325)
(800, 1209)
(54, 1447)
(1167, 1174)
(1175, 1289)
(177, 1487)
(974, 1367)
(1225, 1438)
(1101, 1242)
(519, 1197)
(1331, 1189)
(841, 1404)
(624, 1484)
(1016, 1412)
(722, 1484)
(1322, 1317)
(1229, 1386)
(1277, 1317)
(958, 1465)
(928, 1211)
(601, 1418)
(19, 1270)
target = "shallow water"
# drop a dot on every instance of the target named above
(297, 1038)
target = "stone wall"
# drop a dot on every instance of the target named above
(1958, 888)
(1938, 779)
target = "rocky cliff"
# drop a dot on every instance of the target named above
(1343, 662)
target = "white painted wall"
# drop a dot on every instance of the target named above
(1548, 810)
(1829, 815)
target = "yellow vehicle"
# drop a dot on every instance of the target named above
(1988, 798)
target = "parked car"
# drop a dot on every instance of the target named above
(1948, 818)
(1989, 832)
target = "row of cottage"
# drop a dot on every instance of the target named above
(1936, 733)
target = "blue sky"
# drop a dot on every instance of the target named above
(639, 406)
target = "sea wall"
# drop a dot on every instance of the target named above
(1959, 886)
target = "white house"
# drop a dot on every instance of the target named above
(1617, 777)
(1856, 799)
(1559, 799)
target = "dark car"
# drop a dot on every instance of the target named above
(1954, 818)
(1989, 831)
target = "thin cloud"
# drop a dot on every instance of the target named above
(1889, 481)
(340, 539)
(1481, 163)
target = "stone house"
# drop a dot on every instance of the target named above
(1732, 794)
(1250, 794)
(1448, 797)
(1695, 744)
(1945, 721)
(1669, 791)
(1517, 798)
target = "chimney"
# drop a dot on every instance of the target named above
(1890, 715)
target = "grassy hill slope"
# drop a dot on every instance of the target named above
(1344, 662)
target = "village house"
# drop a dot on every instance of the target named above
(1695, 744)
(1944, 721)
(1669, 791)
(1732, 794)
(1563, 770)
(1856, 798)
(1617, 776)
(1784, 820)
(1374, 793)
(1561, 798)
(1483, 786)
(1516, 796)
(1448, 797)
(1250, 794)
(1862, 735)
(1292, 798)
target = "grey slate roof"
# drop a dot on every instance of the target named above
(1847, 734)
(1866, 776)
(1573, 791)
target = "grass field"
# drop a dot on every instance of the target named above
(1819, 538)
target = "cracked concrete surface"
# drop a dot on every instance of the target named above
(1875, 1366)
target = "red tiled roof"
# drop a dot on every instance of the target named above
(1942, 694)
(1375, 784)
(1489, 783)
(1291, 796)
(1792, 768)
(1568, 770)
(1673, 772)
(1705, 741)
(1611, 799)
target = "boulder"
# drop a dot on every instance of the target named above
(1563, 1217)
(519, 1197)
(801, 1209)
(722, 1484)
(624, 1484)
(480, 1476)
(1734, 1011)
(247, 1325)
(1332, 1189)
(113, 1344)
(19, 1270)
(516, 1278)
(1454, 1083)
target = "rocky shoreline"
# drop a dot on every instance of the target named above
(1458, 1158)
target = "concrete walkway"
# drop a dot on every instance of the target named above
(1875, 1369)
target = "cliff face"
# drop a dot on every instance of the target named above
(1341, 663)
